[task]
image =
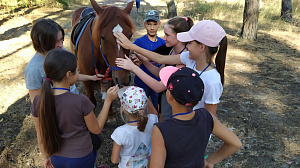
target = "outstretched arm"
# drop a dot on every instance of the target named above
(125, 43)
(126, 63)
(231, 144)
(95, 125)
(83, 77)
(152, 68)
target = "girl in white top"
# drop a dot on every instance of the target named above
(132, 141)
(205, 39)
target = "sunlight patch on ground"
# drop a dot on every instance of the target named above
(15, 22)
(242, 63)
(12, 67)
(292, 144)
(155, 2)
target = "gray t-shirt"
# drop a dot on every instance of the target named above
(70, 111)
(35, 75)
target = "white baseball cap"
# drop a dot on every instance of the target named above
(207, 32)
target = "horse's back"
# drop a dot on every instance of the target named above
(76, 15)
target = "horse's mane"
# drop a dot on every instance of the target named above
(110, 13)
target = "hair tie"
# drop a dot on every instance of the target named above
(48, 79)
(186, 19)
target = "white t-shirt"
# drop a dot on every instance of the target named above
(136, 145)
(213, 87)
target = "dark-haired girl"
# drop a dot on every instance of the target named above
(46, 34)
(64, 120)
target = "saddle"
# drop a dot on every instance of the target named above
(86, 15)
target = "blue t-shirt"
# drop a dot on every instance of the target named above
(146, 43)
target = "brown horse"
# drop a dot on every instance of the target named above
(105, 47)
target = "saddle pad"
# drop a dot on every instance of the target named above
(78, 27)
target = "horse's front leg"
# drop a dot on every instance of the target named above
(104, 86)
(89, 88)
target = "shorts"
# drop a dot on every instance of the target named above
(86, 161)
(138, 3)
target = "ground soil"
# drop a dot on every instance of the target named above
(260, 101)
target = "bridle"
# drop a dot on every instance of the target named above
(109, 67)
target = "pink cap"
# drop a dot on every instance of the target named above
(207, 32)
(165, 73)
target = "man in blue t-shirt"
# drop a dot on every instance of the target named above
(150, 41)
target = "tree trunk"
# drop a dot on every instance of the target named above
(286, 10)
(172, 11)
(250, 20)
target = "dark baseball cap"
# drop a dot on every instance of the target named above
(152, 15)
(184, 84)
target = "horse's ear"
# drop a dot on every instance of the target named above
(95, 6)
(128, 7)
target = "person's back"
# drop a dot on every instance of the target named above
(150, 42)
(64, 120)
(70, 111)
(181, 140)
(194, 134)
(132, 141)
(136, 145)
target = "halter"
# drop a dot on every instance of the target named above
(109, 67)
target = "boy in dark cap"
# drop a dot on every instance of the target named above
(149, 41)
(181, 140)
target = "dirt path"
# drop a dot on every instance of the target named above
(260, 102)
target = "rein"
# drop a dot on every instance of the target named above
(109, 67)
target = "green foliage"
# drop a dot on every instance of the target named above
(29, 3)
(65, 3)
(230, 13)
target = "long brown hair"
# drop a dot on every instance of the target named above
(57, 63)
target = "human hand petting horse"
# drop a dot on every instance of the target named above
(126, 63)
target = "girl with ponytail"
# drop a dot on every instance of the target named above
(205, 40)
(64, 120)
(132, 141)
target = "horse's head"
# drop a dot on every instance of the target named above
(108, 19)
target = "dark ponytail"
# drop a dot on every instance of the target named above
(48, 121)
(57, 63)
(142, 120)
(221, 58)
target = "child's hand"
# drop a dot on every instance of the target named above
(96, 77)
(125, 63)
(112, 93)
(123, 40)
(141, 57)
(135, 60)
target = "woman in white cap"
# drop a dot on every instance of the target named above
(132, 141)
(205, 40)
